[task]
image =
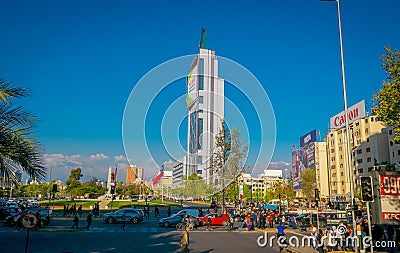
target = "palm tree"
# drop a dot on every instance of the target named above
(18, 149)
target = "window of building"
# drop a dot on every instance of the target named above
(341, 165)
(340, 140)
(333, 167)
(199, 171)
(342, 182)
(359, 160)
(367, 139)
(359, 151)
(391, 143)
(332, 158)
(360, 170)
(341, 157)
(366, 130)
(357, 123)
(398, 152)
(333, 174)
(201, 100)
(369, 159)
(366, 120)
(200, 110)
(358, 142)
(200, 159)
(368, 150)
(372, 118)
(342, 173)
(340, 148)
(390, 132)
(392, 154)
(201, 81)
(332, 150)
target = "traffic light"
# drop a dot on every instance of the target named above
(316, 195)
(112, 189)
(367, 193)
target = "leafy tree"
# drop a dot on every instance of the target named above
(227, 160)
(73, 180)
(18, 148)
(307, 177)
(388, 98)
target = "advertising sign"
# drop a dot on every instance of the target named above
(389, 186)
(191, 84)
(297, 168)
(357, 111)
(308, 138)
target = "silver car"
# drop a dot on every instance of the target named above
(124, 215)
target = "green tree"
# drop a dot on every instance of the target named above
(307, 177)
(73, 180)
(18, 148)
(227, 160)
(387, 100)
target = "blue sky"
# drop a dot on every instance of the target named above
(82, 59)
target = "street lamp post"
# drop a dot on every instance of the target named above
(346, 117)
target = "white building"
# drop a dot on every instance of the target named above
(205, 104)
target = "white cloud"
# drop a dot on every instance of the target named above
(120, 158)
(98, 157)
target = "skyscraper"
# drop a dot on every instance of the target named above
(205, 104)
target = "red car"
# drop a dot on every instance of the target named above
(216, 219)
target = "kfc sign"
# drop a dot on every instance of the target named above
(357, 111)
(391, 216)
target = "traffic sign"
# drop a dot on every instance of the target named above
(29, 221)
(283, 196)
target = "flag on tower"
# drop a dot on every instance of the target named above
(115, 174)
(159, 175)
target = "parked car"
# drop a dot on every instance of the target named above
(216, 219)
(174, 219)
(45, 216)
(131, 215)
(6, 211)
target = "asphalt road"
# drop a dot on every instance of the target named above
(123, 241)
(142, 237)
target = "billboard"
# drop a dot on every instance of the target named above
(390, 196)
(297, 168)
(191, 85)
(357, 111)
(385, 208)
(308, 138)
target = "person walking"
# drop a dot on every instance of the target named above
(156, 212)
(80, 211)
(123, 218)
(89, 220)
(209, 223)
(293, 221)
(169, 211)
(76, 222)
(185, 240)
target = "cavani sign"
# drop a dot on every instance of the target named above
(357, 111)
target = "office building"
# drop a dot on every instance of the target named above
(205, 104)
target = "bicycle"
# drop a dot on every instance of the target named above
(182, 226)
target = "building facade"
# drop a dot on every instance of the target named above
(131, 175)
(205, 104)
(178, 172)
(369, 145)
